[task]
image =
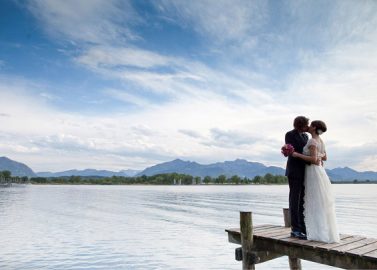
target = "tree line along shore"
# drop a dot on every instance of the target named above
(158, 179)
(161, 179)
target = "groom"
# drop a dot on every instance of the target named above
(295, 172)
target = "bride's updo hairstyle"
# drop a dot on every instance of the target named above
(320, 126)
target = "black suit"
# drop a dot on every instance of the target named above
(295, 172)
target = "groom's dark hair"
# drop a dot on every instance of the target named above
(300, 122)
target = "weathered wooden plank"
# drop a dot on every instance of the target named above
(364, 249)
(273, 232)
(299, 242)
(344, 236)
(346, 241)
(269, 229)
(350, 246)
(283, 233)
(311, 243)
(287, 232)
(265, 226)
(315, 244)
(372, 255)
(233, 230)
(274, 236)
(280, 237)
(315, 255)
(255, 228)
(294, 240)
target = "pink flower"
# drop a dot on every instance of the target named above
(287, 150)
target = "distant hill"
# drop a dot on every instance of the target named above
(16, 168)
(240, 167)
(88, 172)
(348, 174)
(244, 168)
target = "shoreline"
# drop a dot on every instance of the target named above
(116, 184)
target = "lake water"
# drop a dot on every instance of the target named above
(151, 227)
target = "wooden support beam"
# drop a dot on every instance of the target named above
(246, 225)
(259, 256)
(294, 262)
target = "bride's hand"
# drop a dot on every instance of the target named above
(294, 154)
(318, 162)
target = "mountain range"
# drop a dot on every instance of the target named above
(240, 167)
(16, 168)
(89, 172)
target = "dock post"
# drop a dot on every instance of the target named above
(294, 263)
(246, 226)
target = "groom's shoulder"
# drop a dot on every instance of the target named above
(291, 132)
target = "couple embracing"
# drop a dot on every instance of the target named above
(311, 202)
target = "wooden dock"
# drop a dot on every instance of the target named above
(268, 242)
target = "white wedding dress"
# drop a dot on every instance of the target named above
(319, 207)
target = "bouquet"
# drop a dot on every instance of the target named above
(287, 150)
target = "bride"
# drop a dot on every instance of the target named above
(319, 208)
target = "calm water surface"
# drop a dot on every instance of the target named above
(150, 227)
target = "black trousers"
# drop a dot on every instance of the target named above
(296, 203)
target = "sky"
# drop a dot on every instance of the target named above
(116, 85)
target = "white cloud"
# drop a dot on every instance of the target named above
(222, 20)
(127, 97)
(150, 136)
(184, 78)
(230, 138)
(209, 113)
(159, 133)
(49, 96)
(114, 57)
(191, 133)
(92, 21)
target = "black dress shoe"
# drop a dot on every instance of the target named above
(298, 235)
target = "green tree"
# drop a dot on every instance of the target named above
(269, 178)
(38, 180)
(247, 180)
(6, 174)
(207, 179)
(186, 179)
(198, 180)
(257, 179)
(235, 179)
(221, 179)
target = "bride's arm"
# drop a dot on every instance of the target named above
(313, 155)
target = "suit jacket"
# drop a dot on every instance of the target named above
(296, 166)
